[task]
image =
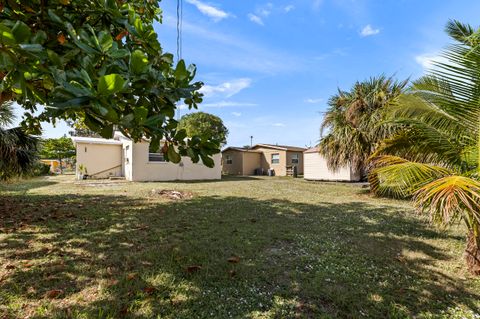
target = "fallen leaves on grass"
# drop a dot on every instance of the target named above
(234, 260)
(54, 293)
(131, 276)
(171, 194)
(193, 268)
(149, 290)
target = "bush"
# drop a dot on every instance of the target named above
(40, 169)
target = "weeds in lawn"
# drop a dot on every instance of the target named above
(307, 250)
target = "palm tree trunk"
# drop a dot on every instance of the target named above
(472, 254)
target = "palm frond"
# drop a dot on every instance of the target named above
(398, 177)
(450, 198)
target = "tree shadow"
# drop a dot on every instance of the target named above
(26, 185)
(211, 256)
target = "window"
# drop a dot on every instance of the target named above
(275, 158)
(155, 155)
(228, 159)
(294, 158)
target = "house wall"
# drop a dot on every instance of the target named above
(236, 168)
(251, 161)
(99, 157)
(315, 168)
(143, 170)
(300, 161)
(127, 158)
(266, 161)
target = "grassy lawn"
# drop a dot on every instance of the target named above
(238, 248)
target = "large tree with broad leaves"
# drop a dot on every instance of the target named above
(98, 62)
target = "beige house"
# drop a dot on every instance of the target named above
(315, 168)
(261, 158)
(121, 157)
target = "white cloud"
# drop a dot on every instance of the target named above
(278, 124)
(428, 60)
(289, 8)
(209, 10)
(226, 89)
(237, 114)
(222, 104)
(255, 19)
(313, 101)
(368, 31)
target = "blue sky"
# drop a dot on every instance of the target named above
(270, 66)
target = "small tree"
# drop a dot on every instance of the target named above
(58, 148)
(204, 125)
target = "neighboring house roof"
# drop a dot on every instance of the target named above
(313, 150)
(95, 140)
(240, 149)
(281, 147)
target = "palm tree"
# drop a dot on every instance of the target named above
(17, 149)
(351, 122)
(435, 157)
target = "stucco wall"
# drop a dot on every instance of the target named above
(143, 170)
(236, 168)
(315, 168)
(251, 161)
(99, 157)
(281, 167)
(300, 160)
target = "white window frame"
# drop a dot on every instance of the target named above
(295, 158)
(228, 159)
(277, 160)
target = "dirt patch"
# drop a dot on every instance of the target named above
(171, 194)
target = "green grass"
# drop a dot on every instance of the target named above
(306, 250)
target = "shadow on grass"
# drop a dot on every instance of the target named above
(117, 256)
(26, 184)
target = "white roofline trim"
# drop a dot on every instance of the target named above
(94, 140)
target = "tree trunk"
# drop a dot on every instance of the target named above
(472, 254)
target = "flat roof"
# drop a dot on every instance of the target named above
(95, 140)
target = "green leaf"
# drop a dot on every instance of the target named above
(107, 131)
(138, 62)
(40, 37)
(32, 47)
(138, 25)
(127, 120)
(118, 53)
(6, 36)
(181, 72)
(181, 135)
(77, 102)
(6, 61)
(207, 161)
(110, 84)
(21, 32)
(52, 56)
(140, 114)
(105, 41)
(54, 16)
(173, 156)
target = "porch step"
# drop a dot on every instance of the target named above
(116, 178)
